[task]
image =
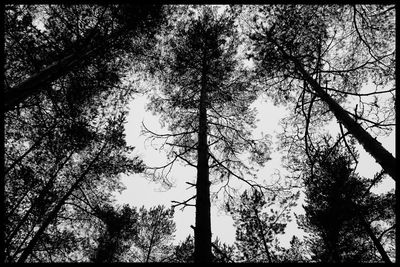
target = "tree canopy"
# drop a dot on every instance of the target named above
(72, 71)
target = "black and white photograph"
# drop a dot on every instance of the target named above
(199, 133)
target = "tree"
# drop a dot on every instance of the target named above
(99, 31)
(184, 251)
(301, 41)
(65, 142)
(340, 209)
(296, 253)
(258, 229)
(223, 253)
(121, 229)
(205, 101)
(156, 229)
(95, 166)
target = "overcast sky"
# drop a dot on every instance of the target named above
(141, 191)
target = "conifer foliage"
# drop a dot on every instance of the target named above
(72, 70)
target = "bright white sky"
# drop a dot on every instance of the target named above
(141, 191)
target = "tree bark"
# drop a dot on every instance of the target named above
(370, 144)
(202, 239)
(53, 214)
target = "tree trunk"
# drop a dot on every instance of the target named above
(370, 144)
(202, 238)
(37, 143)
(36, 201)
(261, 231)
(53, 214)
(374, 239)
(151, 242)
(37, 82)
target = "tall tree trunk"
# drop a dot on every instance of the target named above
(53, 214)
(374, 239)
(202, 233)
(37, 82)
(370, 144)
(37, 201)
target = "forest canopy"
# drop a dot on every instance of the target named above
(72, 72)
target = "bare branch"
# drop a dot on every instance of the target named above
(165, 135)
(359, 94)
(253, 185)
(184, 203)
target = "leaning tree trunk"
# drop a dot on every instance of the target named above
(53, 214)
(37, 82)
(370, 144)
(37, 201)
(202, 232)
(374, 239)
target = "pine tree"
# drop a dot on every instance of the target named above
(204, 99)
(295, 51)
(340, 209)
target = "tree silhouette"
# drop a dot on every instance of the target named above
(61, 144)
(156, 229)
(297, 47)
(204, 99)
(339, 209)
(121, 229)
(72, 70)
(258, 229)
(70, 41)
(295, 254)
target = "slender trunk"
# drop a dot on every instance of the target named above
(261, 230)
(53, 214)
(16, 251)
(374, 239)
(151, 242)
(37, 200)
(36, 83)
(202, 238)
(37, 142)
(370, 144)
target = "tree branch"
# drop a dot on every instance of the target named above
(184, 203)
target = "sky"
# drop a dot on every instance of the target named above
(140, 190)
